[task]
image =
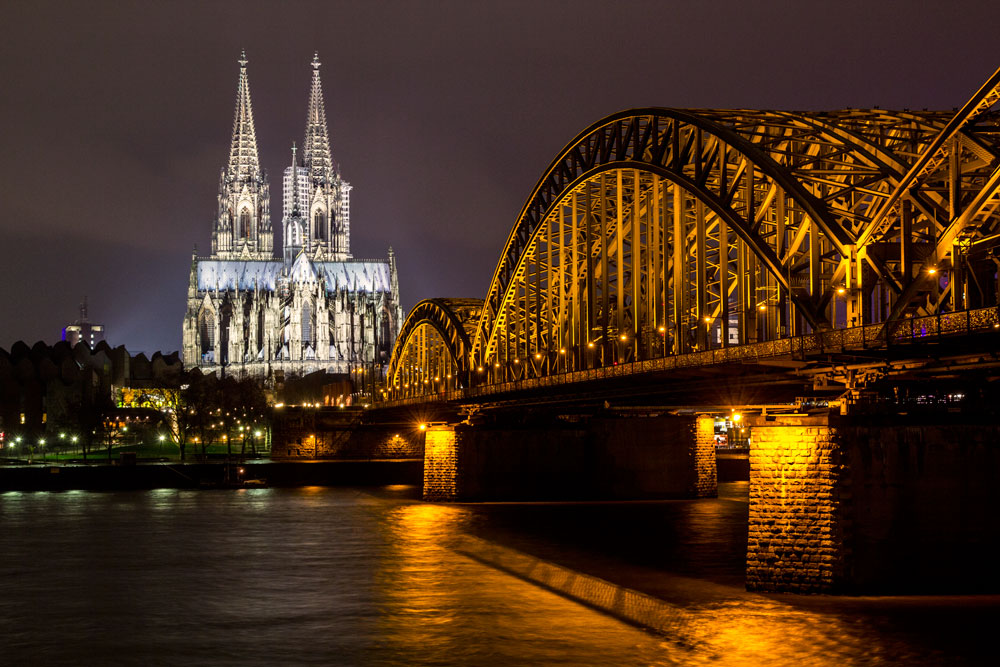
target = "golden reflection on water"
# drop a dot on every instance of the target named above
(438, 599)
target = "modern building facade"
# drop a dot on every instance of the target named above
(314, 308)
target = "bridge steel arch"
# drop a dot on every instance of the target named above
(432, 349)
(666, 231)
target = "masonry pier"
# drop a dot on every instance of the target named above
(873, 504)
(599, 457)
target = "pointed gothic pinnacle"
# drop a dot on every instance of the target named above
(316, 63)
(243, 58)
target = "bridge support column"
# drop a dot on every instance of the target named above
(874, 504)
(597, 458)
(796, 523)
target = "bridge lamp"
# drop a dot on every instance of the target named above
(517, 361)
(663, 330)
(480, 369)
(841, 290)
(737, 416)
(423, 426)
(624, 337)
(590, 344)
(496, 365)
(762, 307)
(449, 376)
(562, 350)
(708, 319)
(538, 355)
(932, 270)
(437, 378)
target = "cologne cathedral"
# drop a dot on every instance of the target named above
(315, 308)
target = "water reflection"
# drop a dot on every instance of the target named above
(345, 576)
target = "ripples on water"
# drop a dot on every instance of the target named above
(343, 576)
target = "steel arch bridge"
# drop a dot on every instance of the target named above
(663, 232)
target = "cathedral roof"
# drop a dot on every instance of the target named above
(228, 274)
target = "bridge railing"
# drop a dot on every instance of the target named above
(910, 331)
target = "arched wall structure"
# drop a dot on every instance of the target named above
(666, 231)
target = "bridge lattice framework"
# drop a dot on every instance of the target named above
(661, 233)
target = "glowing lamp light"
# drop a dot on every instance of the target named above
(841, 290)
(590, 345)
(496, 365)
(562, 351)
(762, 307)
(624, 337)
(480, 369)
(931, 271)
(538, 355)
(517, 361)
(73, 439)
(162, 437)
(256, 434)
(708, 320)
(423, 427)
(737, 416)
(663, 330)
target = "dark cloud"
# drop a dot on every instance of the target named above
(116, 119)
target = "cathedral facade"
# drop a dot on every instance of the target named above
(314, 307)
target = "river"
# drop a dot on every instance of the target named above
(347, 576)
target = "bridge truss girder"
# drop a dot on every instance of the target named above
(662, 231)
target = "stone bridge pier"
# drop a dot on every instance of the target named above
(600, 457)
(856, 504)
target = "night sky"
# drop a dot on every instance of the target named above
(115, 119)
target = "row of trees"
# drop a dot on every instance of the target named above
(206, 409)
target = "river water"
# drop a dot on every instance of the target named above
(342, 576)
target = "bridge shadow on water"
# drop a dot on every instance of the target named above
(676, 568)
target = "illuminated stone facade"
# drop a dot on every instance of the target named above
(315, 308)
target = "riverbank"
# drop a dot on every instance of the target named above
(170, 475)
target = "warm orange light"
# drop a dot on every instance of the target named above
(762, 307)
(841, 290)
(931, 271)
(517, 361)
(708, 320)
(624, 337)
(423, 427)
(590, 345)
(562, 351)
(538, 355)
(480, 369)
(663, 329)
(737, 416)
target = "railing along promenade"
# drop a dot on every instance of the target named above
(881, 336)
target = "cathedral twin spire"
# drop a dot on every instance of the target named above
(243, 227)
(316, 148)
(243, 159)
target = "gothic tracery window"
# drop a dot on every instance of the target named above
(319, 226)
(244, 231)
(308, 331)
(206, 332)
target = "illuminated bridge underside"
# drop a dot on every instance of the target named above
(664, 232)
